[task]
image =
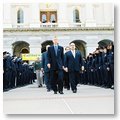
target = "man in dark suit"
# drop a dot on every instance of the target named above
(55, 64)
(45, 68)
(73, 65)
(66, 74)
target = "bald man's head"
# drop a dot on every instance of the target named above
(55, 41)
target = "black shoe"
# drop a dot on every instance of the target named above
(68, 88)
(65, 87)
(48, 90)
(61, 92)
(55, 92)
(40, 85)
(74, 91)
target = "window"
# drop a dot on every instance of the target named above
(44, 18)
(20, 16)
(76, 16)
(52, 18)
(48, 16)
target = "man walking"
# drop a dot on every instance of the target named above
(73, 65)
(66, 74)
(45, 69)
(55, 64)
(37, 67)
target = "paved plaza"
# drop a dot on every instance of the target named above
(33, 100)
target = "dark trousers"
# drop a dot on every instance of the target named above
(66, 80)
(4, 81)
(85, 78)
(101, 75)
(13, 79)
(8, 78)
(97, 78)
(56, 78)
(109, 79)
(74, 77)
(47, 80)
(112, 73)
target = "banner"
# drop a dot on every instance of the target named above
(31, 57)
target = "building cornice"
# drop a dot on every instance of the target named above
(63, 29)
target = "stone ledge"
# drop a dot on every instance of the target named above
(58, 29)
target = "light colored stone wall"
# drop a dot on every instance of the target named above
(90, 14)
(35, 39)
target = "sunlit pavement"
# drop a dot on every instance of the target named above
(33, 100)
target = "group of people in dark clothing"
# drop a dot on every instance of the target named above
(16, 73)
(62, 69)
(98, 68)
(66, 70)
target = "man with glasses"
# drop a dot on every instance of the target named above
(73, 65)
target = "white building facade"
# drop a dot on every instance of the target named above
(28, 28)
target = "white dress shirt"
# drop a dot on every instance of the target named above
(73, 52)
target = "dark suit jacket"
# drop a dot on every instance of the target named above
(45, 61)
(55, 61)
(73, 64)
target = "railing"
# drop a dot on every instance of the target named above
(21, 25)
(77, 25)
(51, 25)
(48, 25)
(56, 25)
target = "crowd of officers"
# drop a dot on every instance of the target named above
(98, 70)
(16, 73)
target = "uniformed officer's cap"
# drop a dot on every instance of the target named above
(97, 48)
(102, 47)
(5, 52)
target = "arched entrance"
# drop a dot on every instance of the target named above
(44, 44)
(24, 50)
(20, 47)
(80, 45)
(104, 42)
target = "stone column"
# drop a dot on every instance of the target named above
(7, 15)
(7, 44)
(90, 22)
(90, 48)
(82, 14)
(8, 49)
(62, 15)
(70, 16)
(92, 44)
(108, 14)
(35, 49)
(35, 15)
(98, 14)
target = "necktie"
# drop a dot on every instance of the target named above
(56, 47)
